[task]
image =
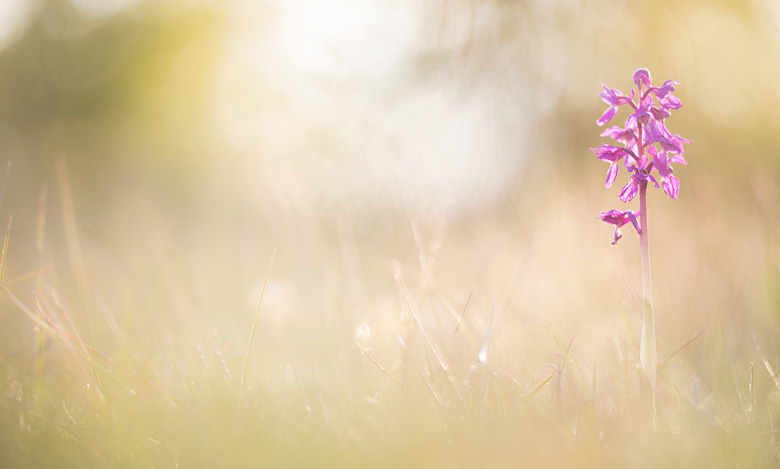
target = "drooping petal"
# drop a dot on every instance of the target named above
(671, 101)
(616, 236)
(654, 132)
(661, 163)
(632, 216)
(675, 158)
(612, 174)
(671, 186)
(629, 191)
(607, 116)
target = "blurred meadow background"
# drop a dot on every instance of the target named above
(441, 293)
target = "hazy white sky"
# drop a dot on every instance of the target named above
(349, 69)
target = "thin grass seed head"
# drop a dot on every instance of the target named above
(646, 148)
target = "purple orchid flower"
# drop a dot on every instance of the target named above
(618, 219)
(647, 152)
(646, 147)
(626, 137)
(613, 155)
(615, 99)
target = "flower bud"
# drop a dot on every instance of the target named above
(642, 77)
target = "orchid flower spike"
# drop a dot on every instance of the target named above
(645, 147)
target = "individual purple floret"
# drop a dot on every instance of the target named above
(645, 147)
(618, 218)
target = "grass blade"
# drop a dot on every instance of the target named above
(5, 248)
(257, 317)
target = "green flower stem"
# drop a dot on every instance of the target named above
(647, 351)
(648, 357)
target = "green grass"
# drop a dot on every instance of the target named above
(383, 368)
